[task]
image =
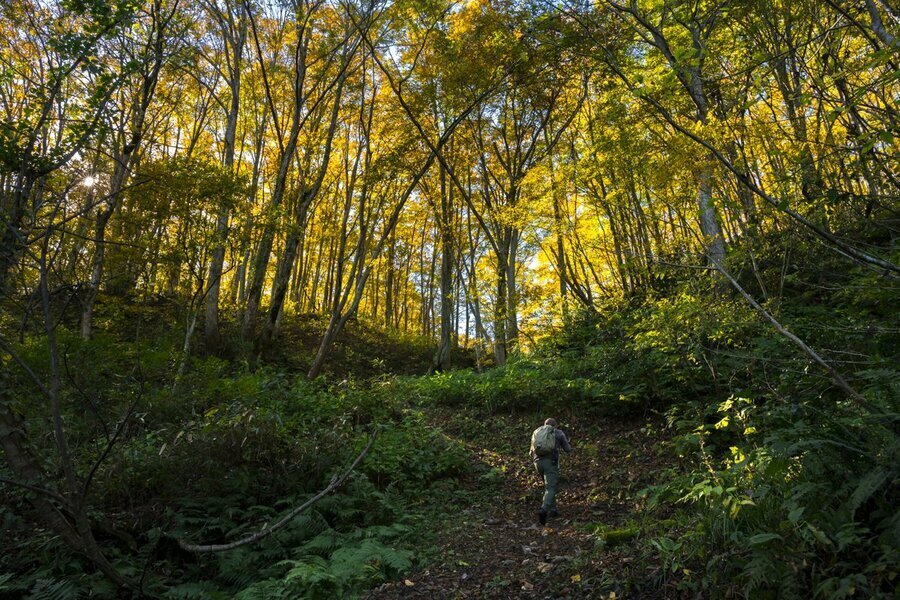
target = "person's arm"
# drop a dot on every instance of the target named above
(562, 441)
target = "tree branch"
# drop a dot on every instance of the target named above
(836, 377)
(35, 489)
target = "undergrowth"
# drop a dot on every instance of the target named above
(784, 488)
(219, 456)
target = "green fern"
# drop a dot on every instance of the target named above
(867, 486)
(311, 573)
(760, 572)
(269, 589)
(54, 589)
(237, 568)
(323, 543)
(195, 590)
(368, 559)
(384, 532)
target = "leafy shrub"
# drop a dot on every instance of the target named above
(412, 455)
(218, 455)
(808, 508)
(620, 363)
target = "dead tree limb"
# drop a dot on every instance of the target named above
(336, 482)
(836, 377)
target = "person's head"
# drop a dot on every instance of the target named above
(550, 422)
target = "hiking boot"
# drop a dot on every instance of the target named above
(542, 516)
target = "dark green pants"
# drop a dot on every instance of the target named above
(550, 472)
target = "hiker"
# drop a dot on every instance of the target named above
(546, 441)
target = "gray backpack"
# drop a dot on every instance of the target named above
(543, 440)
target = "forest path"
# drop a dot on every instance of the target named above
(497, 549)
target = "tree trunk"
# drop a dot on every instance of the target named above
(217, 262)
(307, 196)
(709, 226)
(279, 288)
(512, 294)
(501, 304)
(286, 160)
(560, 256)
(442, 356)
(389, 321)
(93, 288)
(123, 162)
(878, 25)
(264, 250)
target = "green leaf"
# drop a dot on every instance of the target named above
(762, 538)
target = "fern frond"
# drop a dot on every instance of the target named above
(53, 589)
(868, 485)
(194, 590)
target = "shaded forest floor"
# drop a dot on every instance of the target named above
(495, 547)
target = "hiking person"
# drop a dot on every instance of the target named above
(546, 441)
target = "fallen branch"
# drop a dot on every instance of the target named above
(336, 482)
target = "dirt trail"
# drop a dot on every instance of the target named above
(497, 549)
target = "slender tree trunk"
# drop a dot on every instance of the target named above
(560, 256)
(442, 358)
(878, 25)
(709, 225)
(264, 250)
(93, 288)
(428, 291)
(512, 294)
(11, 214)
(123, 159)
(217, 262)
(389, 322)
(445, 224)
(286, 160)
(307, 196)
(501, 303)
(361, 269)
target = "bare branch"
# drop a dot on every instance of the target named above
(836, 377)
(34, 488)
